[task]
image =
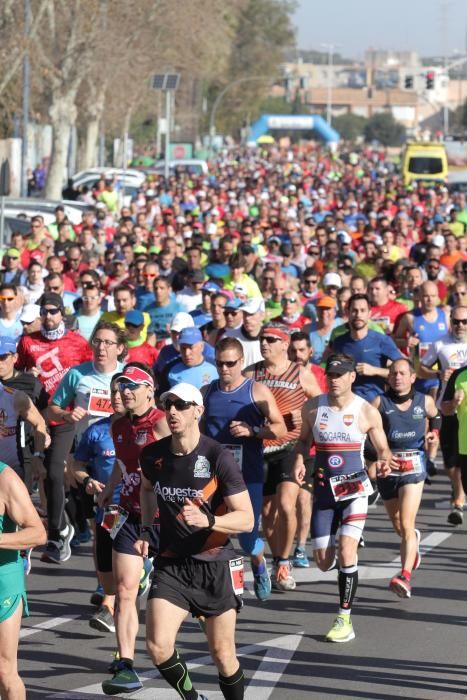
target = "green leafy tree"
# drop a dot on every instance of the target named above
(382, 127)
(350, 126)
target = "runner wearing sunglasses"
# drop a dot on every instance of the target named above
(202, 499)
(240, 413)
(141, 425)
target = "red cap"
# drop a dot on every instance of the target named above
(276, 332)
(137, 375)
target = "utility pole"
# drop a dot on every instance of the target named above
(24, 142)
(330, 49)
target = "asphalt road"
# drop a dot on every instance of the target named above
(411, 649)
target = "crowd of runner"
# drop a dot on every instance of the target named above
(245, 353)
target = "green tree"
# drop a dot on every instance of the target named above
(350, 126)
(263, 31)
(382, 127)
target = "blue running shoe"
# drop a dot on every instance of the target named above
(262, 585)
(300, 559)
(124, 680)
(145, 580)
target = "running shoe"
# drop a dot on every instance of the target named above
(58, 552)
(26, 557)
(85, 535)
(114, 665)
(124, 680)
(282, 579)
(98, 596)
(456, 516)
(342, 630)
(418, 556)
(145, 581)
(262, 585)
(102, 620)
(400, 586)
(300, 559)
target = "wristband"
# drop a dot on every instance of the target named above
(86, 481)
(435, 431)
(211, 519)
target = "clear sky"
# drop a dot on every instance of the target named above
(430, 27)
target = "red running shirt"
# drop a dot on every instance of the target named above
(130, 436)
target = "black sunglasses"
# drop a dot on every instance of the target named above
(459, 321)
(231, 312)
(178, 404)
(52, 312)
(226, 363)
(269, 339)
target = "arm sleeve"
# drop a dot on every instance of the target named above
(450, 387)
(65, 392)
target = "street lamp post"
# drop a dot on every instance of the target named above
(168, 83)
(330, 49)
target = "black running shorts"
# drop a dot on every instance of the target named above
(127, 536)
(200, 587)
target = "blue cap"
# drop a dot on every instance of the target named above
(7, 345)
(210, 287)
(134, 317)
(234, 303)
(190, 336)
(438, 219)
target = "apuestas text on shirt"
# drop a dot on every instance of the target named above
(176, 493)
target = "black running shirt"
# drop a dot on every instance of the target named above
(204, 476)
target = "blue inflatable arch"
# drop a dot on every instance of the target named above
(302, 122)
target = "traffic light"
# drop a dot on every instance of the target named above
(430, 80)
(409, 82)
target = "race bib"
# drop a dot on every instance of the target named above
(423, 349)
(236, 575)
(99, 403)
(346, 486)
(237, 453)
(114, 518)
(384, 322)
(410, 462)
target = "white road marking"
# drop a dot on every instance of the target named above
(279, 652)
(375, 571)
(46, 625)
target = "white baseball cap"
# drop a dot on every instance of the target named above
(185, 392)
(332, 279)
(181, 320)
(29, 313)
(252, 306)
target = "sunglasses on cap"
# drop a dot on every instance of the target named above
(178, 404)
(51, 312)
(131, 386)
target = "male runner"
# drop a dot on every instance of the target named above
(20, 529)
(338, 423)
(405, 414)
(202, 499)
(50, 353)
(93, 461)
(450, 352)
(141, 425)
(240, 413)
(290, 385)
